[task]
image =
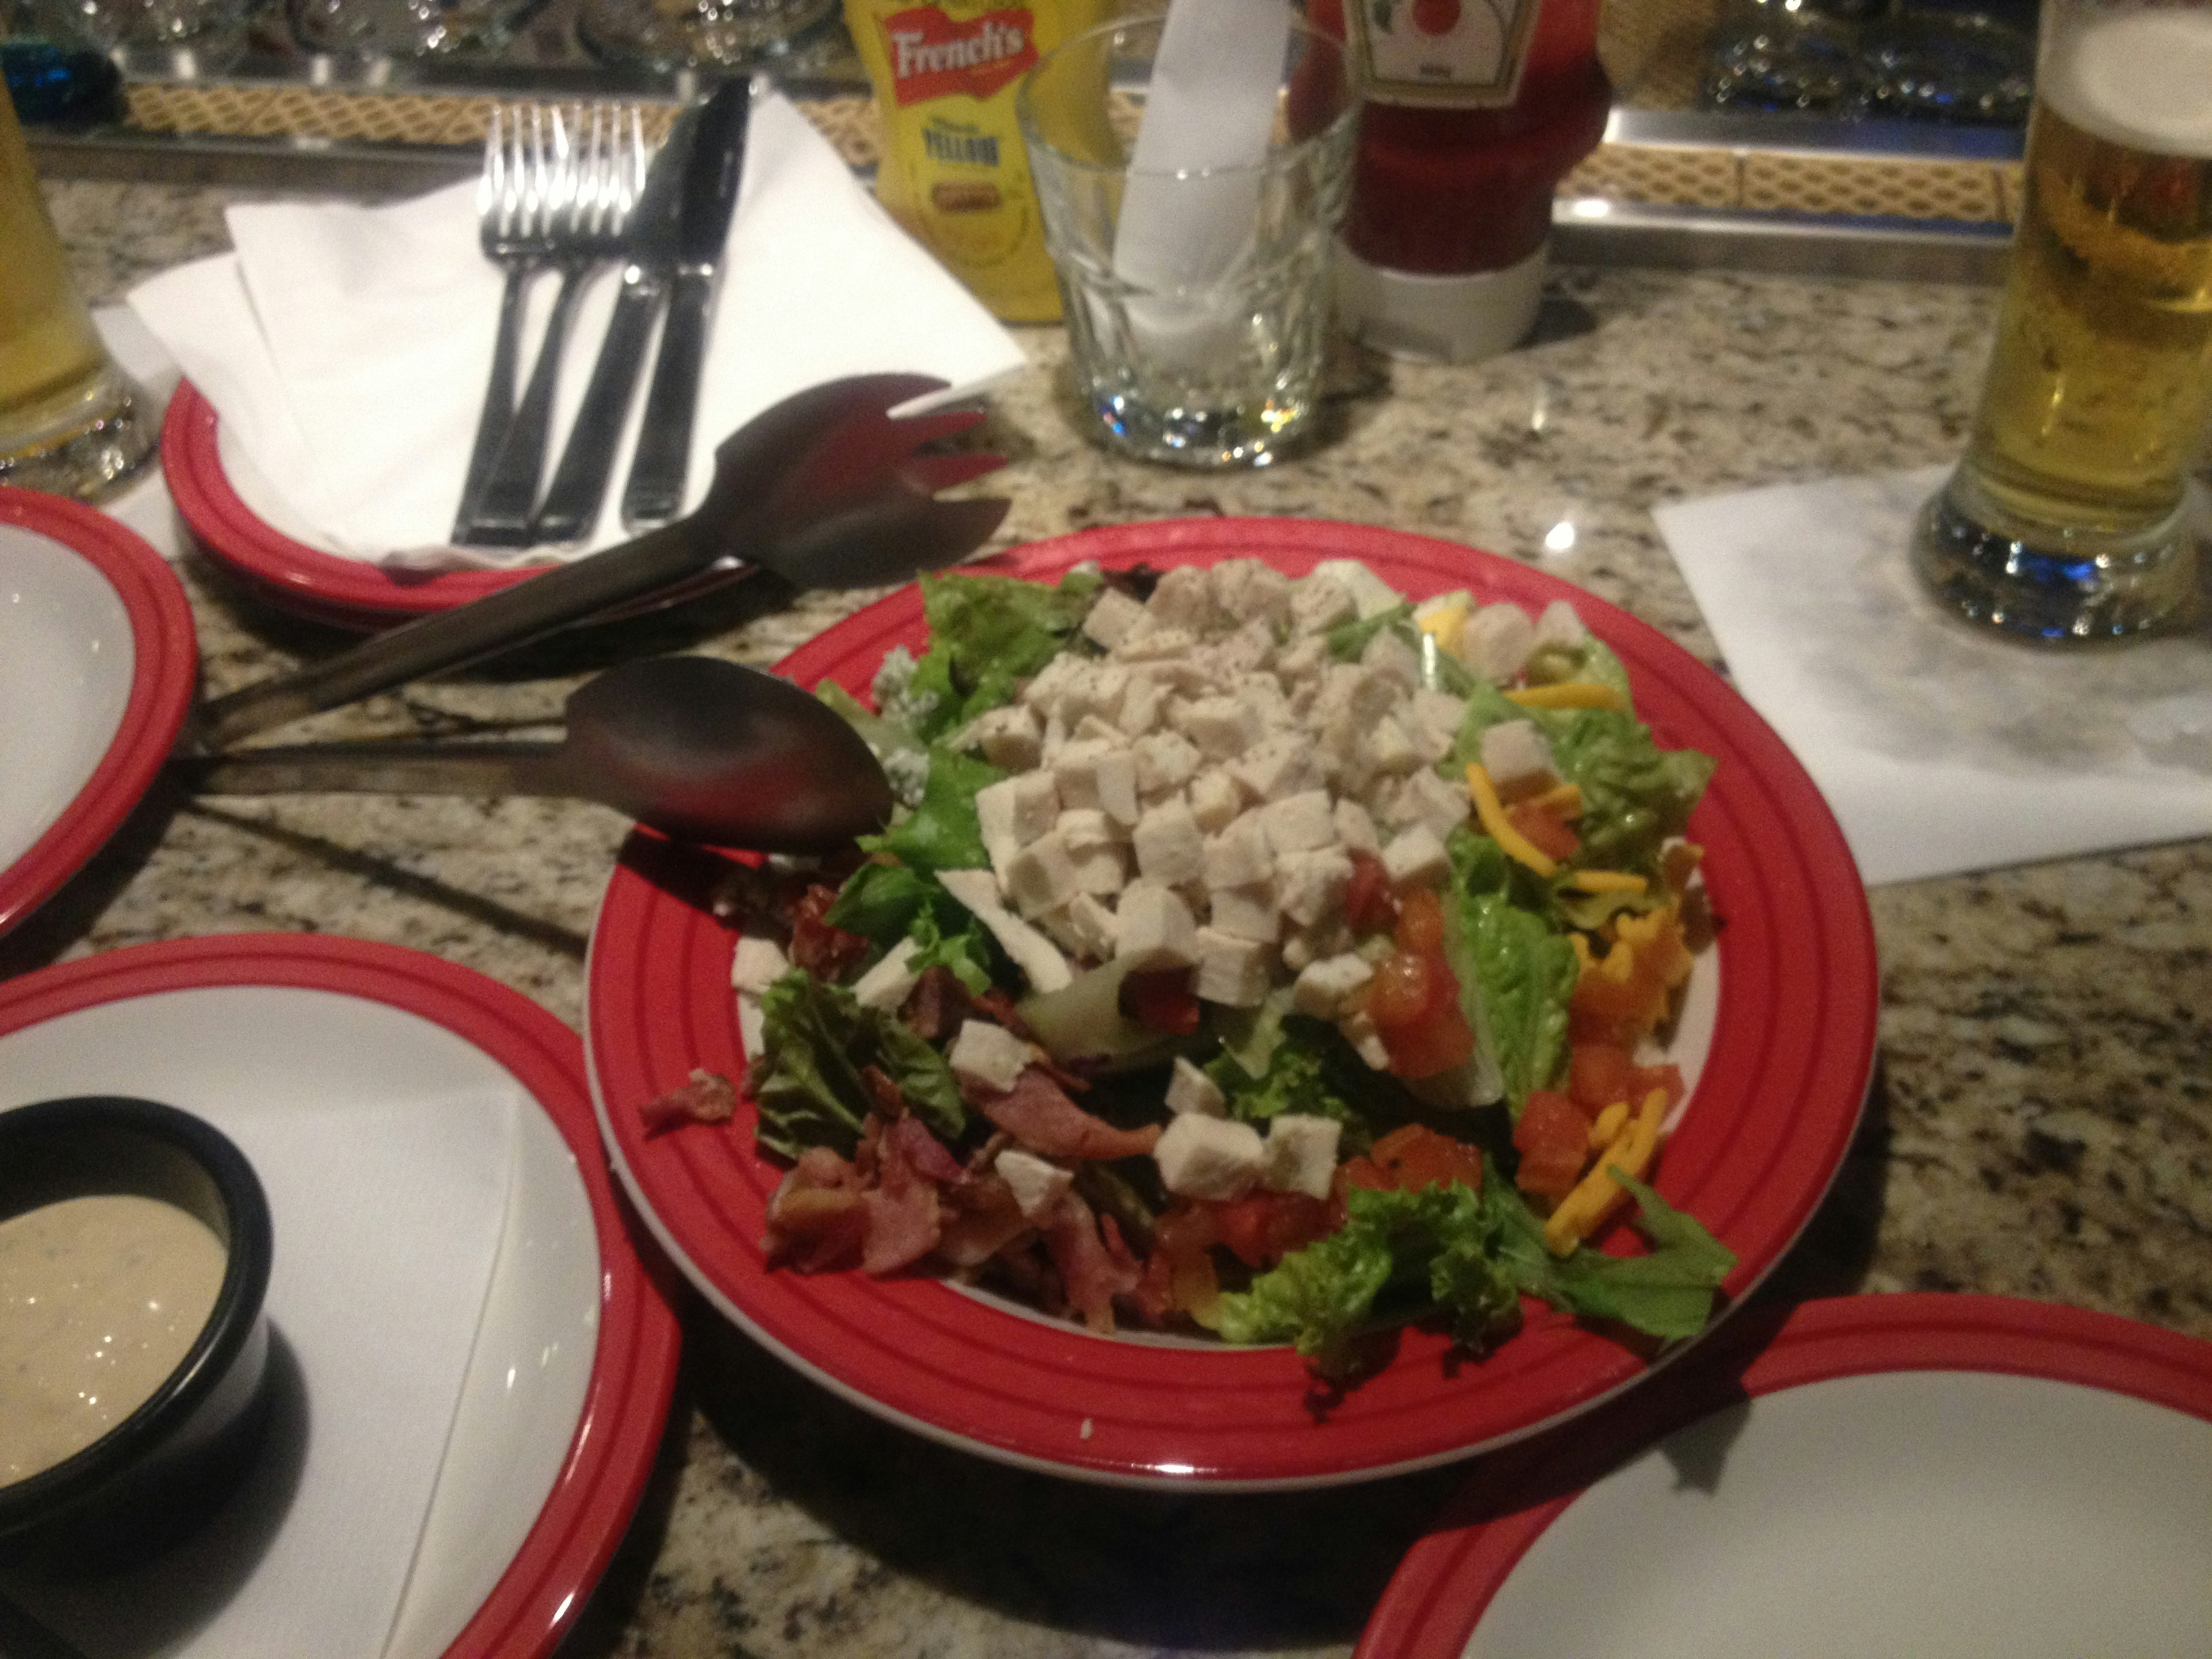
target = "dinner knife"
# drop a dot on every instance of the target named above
(571, 507)
(654, 493)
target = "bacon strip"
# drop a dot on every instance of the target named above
(705, 1098)
(1089, 1269)
(1038, 1113)
(816, 1219)
(905, 1223)
(924, 1152)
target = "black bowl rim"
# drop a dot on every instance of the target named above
(229, 1323)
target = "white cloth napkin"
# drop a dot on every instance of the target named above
(1941, 748)
(346, 347)
(387, 1212)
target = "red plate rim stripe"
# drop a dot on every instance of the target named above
(165, 668)
(1448, 1580)
(617, 1435)
(349, 593)
(923, 1354)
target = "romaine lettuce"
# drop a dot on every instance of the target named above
(816, 1038)
(1667, 1293)
(943, 832)
(987, 634)
(1516, 974)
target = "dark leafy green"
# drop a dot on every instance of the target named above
(816, 1038)
(942, 833)
(987, 634)
(1667, 1293)
(888, 902)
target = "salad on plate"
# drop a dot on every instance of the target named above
(1266, 957)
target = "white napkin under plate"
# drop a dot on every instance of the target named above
(1942, 747)
(345, 348)
(387, 1208)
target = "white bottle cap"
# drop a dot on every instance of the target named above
(1453, 319)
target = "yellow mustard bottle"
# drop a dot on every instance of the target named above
(954, 172)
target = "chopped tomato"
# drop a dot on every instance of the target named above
(1414, 1002)
(1369, 907)
(1598, 1075)
(1262, 1228)
(1162, 999)
(1398, 992)
(1420, 928)
(1417, 1157)
(1553, 1138)
(1543, 829)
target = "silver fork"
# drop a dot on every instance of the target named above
(594, 191)
(514, 198)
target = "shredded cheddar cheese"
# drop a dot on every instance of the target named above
(1595, 1196)
(1606, 881)
(1495, 824)
(1573, 694)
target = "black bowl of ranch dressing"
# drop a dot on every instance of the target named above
(135, 1251)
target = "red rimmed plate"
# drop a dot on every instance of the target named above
(1930, 1474)
(554, 1437)
(1763, 1134)
(283, 570)
(98, 661)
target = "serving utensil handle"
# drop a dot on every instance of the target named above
(383, 768)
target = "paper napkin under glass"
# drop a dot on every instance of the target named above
(1942, 747)
(345, 348)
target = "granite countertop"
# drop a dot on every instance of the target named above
(2041, 1123)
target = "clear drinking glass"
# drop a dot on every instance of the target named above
(405, 29)
(671, 34)
(2067, 520)
(1794, 56)
(1948, 61)
(71, 423)
(1220, 365)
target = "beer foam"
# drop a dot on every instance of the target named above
(2138, 78)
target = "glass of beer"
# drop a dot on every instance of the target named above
(2068, 519)
(71, 423)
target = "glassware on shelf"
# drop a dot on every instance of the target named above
(406, 28)
(206, 26)
(1951, 62)
(1798, 57)
(672, 34)
(58, 73)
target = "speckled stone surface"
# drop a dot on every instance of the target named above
(2041, 1124)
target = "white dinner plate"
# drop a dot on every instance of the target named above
(563, 1387)
(97, 665)
(1953, 1477)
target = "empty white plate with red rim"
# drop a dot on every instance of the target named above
(97, 665)
(565, 1365)
(243, 525)
(1791, 1044)
(1939, 1476)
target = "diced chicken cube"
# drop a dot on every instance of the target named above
(1213, 800)
(1095, 728)
(1368, 591)
(1240, 854)
(1184, 599)
(1436, 716)
(1244, 651)
(1112, 615)
(1319, 603)
(1011, 738)
(1301, 1154)
(1103, 871)
(1154, 925)
(1041, 876)
(1303, 660)
(989, 1054)
(1114, 775)
(884, 987)
(1299, 823)
(1189, 1089)
(1037, 1183)
(1366, 1039)
(1276, 767)
(1311, 885)
(1209, 1158)
(1245, 913)
(1222, 727)
(1096, 928)
(1426, 799)
(1152, 643)
(1496, 642)
(1247, 587)
(1083, 828)
(1389, 748)
(1322, 988)
(1230, 971)
(1048, 686)
(1355, 828)
(1416, 858)
(758, 964)
(1558, 628)
(1165, 761)
(1518, 758)
(1075, 772)
(1389, 655)
(1169, 850)
(1035, 802)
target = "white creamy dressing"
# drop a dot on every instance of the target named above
(100, 1298)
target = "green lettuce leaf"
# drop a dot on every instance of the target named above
(885, 737)
(1398, 1256)
(1668, 1294)
(987, 634)
(1515, 972)
(888, 902)
(942, 833)
(1590, 663)
(1635, 794)
(815, 1037)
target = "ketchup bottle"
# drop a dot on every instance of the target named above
(1476, 109)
